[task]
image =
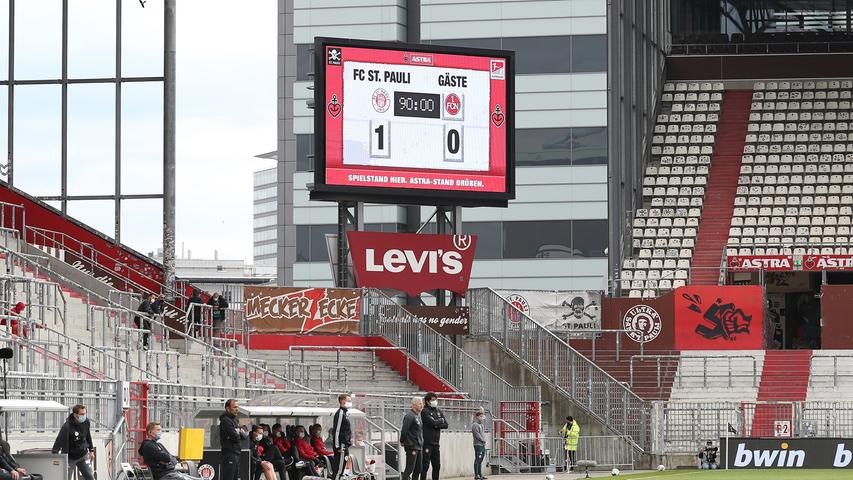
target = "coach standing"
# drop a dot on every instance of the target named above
(433, 423)
(341, 435)
(231, 436)
(412, 440)
(75, 440)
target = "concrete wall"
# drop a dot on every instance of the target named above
(555, 406)
(457, 455)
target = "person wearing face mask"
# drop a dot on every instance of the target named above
(259, 465)
(479, 434)
(434, 422)
(75, 440)
(317, 441)
(161, 463)
(341, 435)
(306, 451)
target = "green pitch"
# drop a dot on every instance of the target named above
(780, 474)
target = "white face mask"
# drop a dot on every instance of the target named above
(258, 438)
(433, 403)
(300, 434)
(348, 405)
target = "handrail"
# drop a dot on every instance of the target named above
(566, 369)
(682, 358)
(813, 373)
(338, 349)
(118, 441)
(187, 338)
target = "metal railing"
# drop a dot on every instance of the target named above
(323, 376)
(381, 315)
(681, 427)
(818, 368)
(707, 374)
(596, 332)
(338, 349)
(573, 375)
(116, 447)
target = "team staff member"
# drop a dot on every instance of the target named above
(75, 439)
(161, 463)
(412, 440)
(341, 435)
(571, 432)
(231, 435)
(433, 423)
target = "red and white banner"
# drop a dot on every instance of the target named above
(303, 310)
(816, 263)
(760, 262)
(412, 263)
(712, 317)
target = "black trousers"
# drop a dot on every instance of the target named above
(339, 461)
(229, 467)
(431, 456)
(414, 464)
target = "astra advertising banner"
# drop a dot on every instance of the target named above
(412, 263)
(303, 310)
(558, 311)
(714, 317)
(760, 262)
(816, 263)
(789, 453)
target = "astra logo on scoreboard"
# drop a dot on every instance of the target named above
(418, 124)
(412, 263)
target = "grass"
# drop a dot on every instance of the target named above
(772, 474)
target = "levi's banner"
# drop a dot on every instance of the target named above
(816, 263)
(713, 317)
(412, 263)
(303, 310)
(760, 262)
(792, 453)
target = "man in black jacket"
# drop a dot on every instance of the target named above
(75, 440)
(412, 440)
(341, 435)
(195, 320)
(161, 463)
(231, 435)
(8, 464)
(146, 310)
(433, 423)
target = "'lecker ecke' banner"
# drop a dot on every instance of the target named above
(303, 310)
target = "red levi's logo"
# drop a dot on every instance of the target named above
(412, 263)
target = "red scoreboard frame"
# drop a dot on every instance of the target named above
(336, 180)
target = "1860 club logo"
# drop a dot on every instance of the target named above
(724, 320)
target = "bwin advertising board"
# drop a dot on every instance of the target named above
(787, 453)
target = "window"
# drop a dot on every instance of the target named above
(543, 146)
(265, 193)
(304, 61)
(311, 242)
(304, 148)
(264, 207)
(264, 235)
(589, 238)
(489, 239)
(384, 227)
(552, 54)
(265, 177)
(589, 146)
(543, 239)
(264, 249)
(260, 222)
(589, 53)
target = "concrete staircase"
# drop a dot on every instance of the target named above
(722, 187)
(360, 371)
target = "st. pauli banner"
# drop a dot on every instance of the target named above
(444, 320)
(558, 311)
(713, 317)
(303, 310)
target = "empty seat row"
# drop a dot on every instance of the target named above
(802, 95)
(654, 293)
(778, 148)
(805, 119)
(668, 212)
(694, 107)
(803, 85)
(677, 170)
(795, 168)
(679, 118)
(768, 137)
(795, 158)
(693, 87)
(674, 128)
(797, 200)
(793, 179)
(645, 263)
(692, 97)
(685, 150)
(779, 221)
(661, 242)
(685, 160)
(679, 201)
(675, 181)
(830, 230)
(746, 194)
(817, 106)
(683, 139)
(812, 240)
(764, 214)
(789, 250)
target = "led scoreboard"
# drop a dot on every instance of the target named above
(416, 124)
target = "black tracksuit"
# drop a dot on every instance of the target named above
(412, 440)
(272, 454)
(157, 458)
(145, 308)
(74, 439)
(230, 439)
(8, 462)
(341, 441)
(433, 423)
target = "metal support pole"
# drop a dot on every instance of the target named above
(169, 64)
(64, 120)
(117, 153)
(10, 102)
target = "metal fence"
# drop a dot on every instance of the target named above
(381, 315)
(552, 359)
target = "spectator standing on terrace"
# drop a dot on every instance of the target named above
(75, 440)
(17, 311)
(143, 321)
(195, 320)
(571, 432)
(219, 305)
(433, 423)
(479, 434)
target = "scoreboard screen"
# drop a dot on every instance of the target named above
(416, 124)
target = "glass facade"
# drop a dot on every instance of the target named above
(561, 146)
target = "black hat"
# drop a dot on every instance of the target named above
(570, 419)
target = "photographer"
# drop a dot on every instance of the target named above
(708, 456)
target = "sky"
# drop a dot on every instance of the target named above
(226, 114)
